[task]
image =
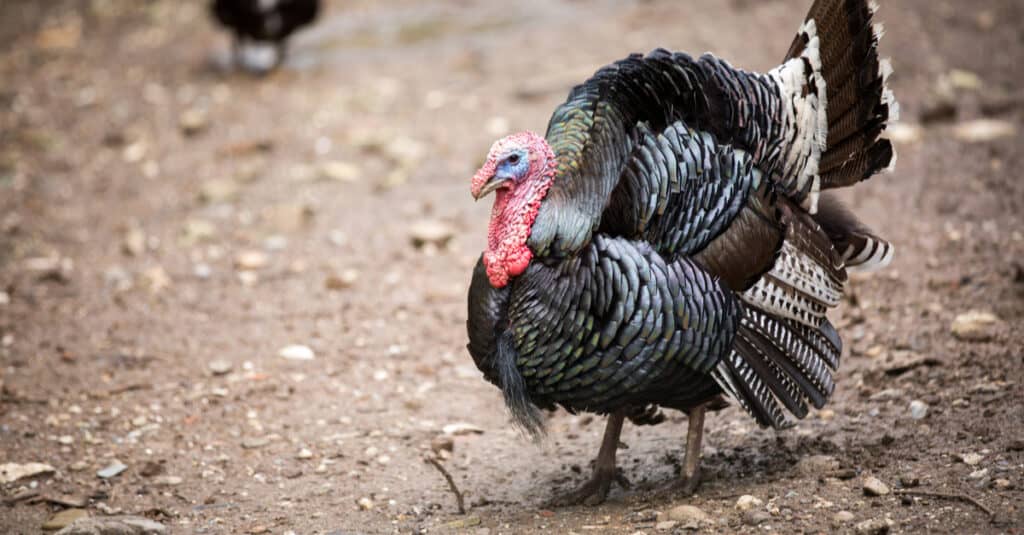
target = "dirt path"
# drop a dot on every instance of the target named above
(166, 229)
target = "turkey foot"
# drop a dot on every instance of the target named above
(594, 491)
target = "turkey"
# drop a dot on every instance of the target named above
(670, 243)
(266, 23)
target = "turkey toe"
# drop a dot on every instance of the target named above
(594, 491)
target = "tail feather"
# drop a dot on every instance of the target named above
(860, 248)
(841, 104)
(783, 387)
(807, 278)
(776, 364)
(735, 375)
(860, 105)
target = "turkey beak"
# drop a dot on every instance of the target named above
(490, 186)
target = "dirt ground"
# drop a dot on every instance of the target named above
(167, 227)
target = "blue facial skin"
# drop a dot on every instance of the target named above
(513, 166)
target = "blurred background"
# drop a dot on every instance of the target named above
(235, 303)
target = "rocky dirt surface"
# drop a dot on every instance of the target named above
(237, 305)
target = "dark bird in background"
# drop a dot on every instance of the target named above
(667, 243)
(266, 23)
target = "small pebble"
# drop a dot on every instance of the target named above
(218, 190)
(340, 171)
(461, 428)
(220, 366)
(193, 121)
(304, 453)
(984, 130)
(815, 465)
(904, 133)
(463, 523)
(918, 409)
(288, 217)
(687, 514)
(251, 260)
(197, 230)
(874, 487)
(297, 352)
(134, 243)
(63, 519)
(114, 525)
(111, 470)
(276, 242)
(10, 472)
(747, 502)
(168, 481)
(202, 271)
(978, 474)
(79, 466)
(842, 517)
(252, 443)
(910, 481)
(1002, 484)
(346, 279)
(430, 231)
(975, 326)
(971, 459)
(875, 526)
(889, 394)
(365, 504)
(754, 518)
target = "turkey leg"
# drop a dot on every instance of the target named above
(690, 477)
(594, 492)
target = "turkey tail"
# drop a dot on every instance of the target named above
(785, 350)
(779, 364)
(859, 106)
(860, 248)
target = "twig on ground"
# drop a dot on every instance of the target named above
(451, 483)
(131, 387)
(959, 497)
(12, 398)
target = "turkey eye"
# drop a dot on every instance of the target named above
(514, 159)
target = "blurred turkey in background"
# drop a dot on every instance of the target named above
(261, 29)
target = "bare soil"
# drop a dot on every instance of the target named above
(123, 284)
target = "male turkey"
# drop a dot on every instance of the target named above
(667, 241)
(266, 22)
